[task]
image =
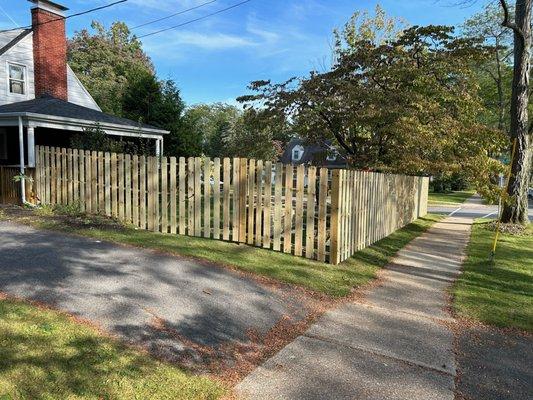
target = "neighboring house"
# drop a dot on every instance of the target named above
(299, 151)
(42, 102)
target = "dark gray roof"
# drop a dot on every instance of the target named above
(52, 106)
(314, 154)
(8, 39)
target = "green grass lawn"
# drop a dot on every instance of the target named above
(333, 280)
(44, 354)
(458, 197)
(501, 294)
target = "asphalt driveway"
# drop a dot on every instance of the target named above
(175, 307)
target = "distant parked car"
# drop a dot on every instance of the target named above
(530, 193)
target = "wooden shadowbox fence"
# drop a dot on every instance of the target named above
(10, 190)
(299, 210)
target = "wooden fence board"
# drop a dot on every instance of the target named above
(278, 205)
(287, 210)
(258, 197)
(135, 190)
(173, 189)
(164, 194)
(182, 195)
(207, 197)
(226, 205)
(267, 201)
(299, 210)
(216, 198)
(251, 201)
(310, 213)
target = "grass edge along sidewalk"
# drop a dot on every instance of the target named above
(48, 354)
(335, 281)
(498, 294)
(450, 198)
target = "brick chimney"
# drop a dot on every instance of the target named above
(49, 49)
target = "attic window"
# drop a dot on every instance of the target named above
(17, 79)
(297, 153)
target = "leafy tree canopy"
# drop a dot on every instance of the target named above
(103, 60)
(407, 103)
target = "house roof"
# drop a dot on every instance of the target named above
(10, 38)
(313, 153)
(51, 106)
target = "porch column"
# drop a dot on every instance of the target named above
(159, 147)
(21, 153)
(31, 146)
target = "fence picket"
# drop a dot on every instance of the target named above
(310, 213)
(207, 197)
(258, 194)
(216, 198)
(287, 211)
(299, 210)
(267, 201)
(135, 190)
(182, 197)
(173, 196)
(226, 206)
(164, 195)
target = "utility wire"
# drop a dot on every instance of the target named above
(195, 19)
(175, 14)
(68, 16)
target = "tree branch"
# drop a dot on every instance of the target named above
(511, 25)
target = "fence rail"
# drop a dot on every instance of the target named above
(316, 213)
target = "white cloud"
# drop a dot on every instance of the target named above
(182, 40)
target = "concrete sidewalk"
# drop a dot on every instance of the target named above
(393, 345)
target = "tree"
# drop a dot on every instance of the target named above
(515, 209)
(103, 61)
(407, 104)
(494, 75)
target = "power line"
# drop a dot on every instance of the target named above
(68, 16)
(195, 19)
(175, 14)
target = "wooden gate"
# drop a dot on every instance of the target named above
(10, 188)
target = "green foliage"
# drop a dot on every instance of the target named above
(455, 181)
(494, 75)
(104, 59)
(408, 104)
(95, 139)
(231, 132)
(121, 78)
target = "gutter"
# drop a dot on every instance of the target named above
(86, 123)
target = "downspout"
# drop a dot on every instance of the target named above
(21, 152)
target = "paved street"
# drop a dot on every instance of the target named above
(130, 291)
(394, 344)
(472, 208)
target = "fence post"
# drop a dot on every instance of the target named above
(335, 220)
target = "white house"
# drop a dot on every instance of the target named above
(42, 102)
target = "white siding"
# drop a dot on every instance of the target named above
(22, 54)
(77, 93)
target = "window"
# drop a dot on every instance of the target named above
(3, 144)
(17, 79)
(332, 155)
(297, 153)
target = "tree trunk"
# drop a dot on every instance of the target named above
(516, 207)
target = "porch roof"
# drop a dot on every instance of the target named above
(50, 112)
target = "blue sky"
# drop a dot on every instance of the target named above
(214, 59)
